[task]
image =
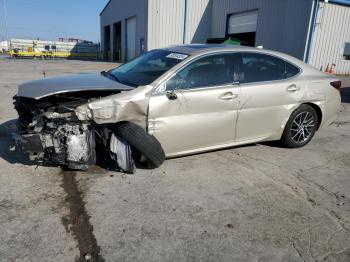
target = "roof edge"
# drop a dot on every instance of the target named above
(105, 7)
(340, 2)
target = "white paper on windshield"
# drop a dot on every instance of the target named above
(177, 56)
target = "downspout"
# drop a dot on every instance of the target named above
(185, 23)
(312, 30)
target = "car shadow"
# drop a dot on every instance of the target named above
(12, 156)
(7, 145)
(276, 144)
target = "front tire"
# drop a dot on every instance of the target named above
(300, 128)
(143, 142)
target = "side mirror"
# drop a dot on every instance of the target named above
(171, 95)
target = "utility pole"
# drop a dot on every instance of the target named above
(5, 19)
(2, 34)
(185, 22)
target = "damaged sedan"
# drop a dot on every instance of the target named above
(173, 102)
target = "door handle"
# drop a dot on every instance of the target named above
(293, 88)
(228, 96)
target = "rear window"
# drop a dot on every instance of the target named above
(291, 70)
(257, 67)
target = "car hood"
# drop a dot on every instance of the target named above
(69, 83)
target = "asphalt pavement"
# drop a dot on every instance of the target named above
(259, 202)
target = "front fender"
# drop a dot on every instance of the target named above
(131, 106)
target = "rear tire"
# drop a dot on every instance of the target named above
(300, 128)
(143, 142)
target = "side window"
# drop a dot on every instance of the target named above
(214, 70)
(258, 67)
(291, 70)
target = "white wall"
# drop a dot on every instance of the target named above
(331, 32)
(4, 45)
(120, 10)
(198, 21)
(166, 22)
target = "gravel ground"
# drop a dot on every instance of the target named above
(253, 203)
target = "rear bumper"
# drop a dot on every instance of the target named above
(331, 108)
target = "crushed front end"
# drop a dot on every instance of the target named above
(72, 130)
(50, 132)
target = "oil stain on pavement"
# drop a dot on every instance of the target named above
(77, 221)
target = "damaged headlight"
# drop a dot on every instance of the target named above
(83, 113)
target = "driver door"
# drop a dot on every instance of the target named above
(198, 110)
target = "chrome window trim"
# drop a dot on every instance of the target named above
(269, 81)
(195, 58)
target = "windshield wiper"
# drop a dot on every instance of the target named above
(115, 78)
(109, 75)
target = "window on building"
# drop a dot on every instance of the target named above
(214, 70)
(347, 51)
(258, 67)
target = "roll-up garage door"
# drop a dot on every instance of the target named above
(243, 22)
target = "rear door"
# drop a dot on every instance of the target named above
(199, 108)
(269, 90)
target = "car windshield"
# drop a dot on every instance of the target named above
(147, 67)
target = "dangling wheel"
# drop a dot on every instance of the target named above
(145, 143)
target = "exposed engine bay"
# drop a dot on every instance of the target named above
(50, 132)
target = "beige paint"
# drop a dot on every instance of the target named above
(127, 106)
(210, 118)
(197, 118)
(265, 108)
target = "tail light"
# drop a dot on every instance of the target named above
(336, 84)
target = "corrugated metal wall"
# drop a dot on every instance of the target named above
(166, 22)
(198, 21)
(282, 25)
(331, 32)
(120, 10)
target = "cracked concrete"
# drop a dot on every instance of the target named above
(252, 203)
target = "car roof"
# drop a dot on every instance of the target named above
(201, 49)
(192, 49)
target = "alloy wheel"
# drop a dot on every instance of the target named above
(302, 128)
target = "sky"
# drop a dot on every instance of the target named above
(51, 19)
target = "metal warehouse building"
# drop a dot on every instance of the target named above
(315, 31)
